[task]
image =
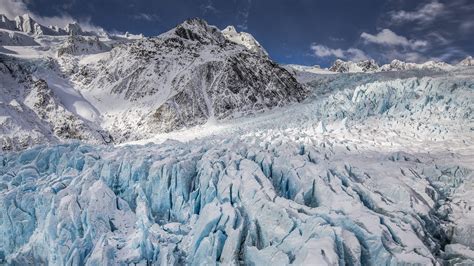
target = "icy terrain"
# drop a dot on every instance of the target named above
(356, 169)
(369, 172)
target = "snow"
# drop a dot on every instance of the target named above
(70, 97)
(194, 202)
(310, 69)
(243, 38)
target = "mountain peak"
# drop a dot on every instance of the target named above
(245, 39)
(197, 29)
(230, 29)
(468, 61)
(349, 66)
(73, 29)
(27, 24)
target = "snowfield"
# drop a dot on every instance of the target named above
(367, 169)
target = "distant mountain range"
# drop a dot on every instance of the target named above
(370, 66)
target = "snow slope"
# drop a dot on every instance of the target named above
(244, 39)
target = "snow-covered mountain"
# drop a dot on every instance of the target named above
(25, 23)
(142, 87)
(349, 66)
(397, 65)
(370, 66)
(310, 69)
(188, 76)
(234, 159)
(468, 61)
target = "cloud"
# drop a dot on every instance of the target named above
(390, 38)
(13, 8)
(423, 15)
(467, 26)
(352, 54)
(209, 7)
(336, 39)
(146, 17)
(243, 15)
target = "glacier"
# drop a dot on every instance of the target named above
(365, 174)
(249, 200)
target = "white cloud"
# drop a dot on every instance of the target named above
(324, 51)
(390, 38)
(13, 8)
(352, 54)
(356, 55)
(423, 15)
(209, 7)
(146, 17)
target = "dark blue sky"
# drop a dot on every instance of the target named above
(297, 31)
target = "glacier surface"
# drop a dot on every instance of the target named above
(371, 170)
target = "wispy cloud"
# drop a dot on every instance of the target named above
(352, 54)
(243, 15)
(390, 38)
(424, 14)
(146, 17)
(209, 7)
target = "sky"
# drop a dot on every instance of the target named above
(306, 32)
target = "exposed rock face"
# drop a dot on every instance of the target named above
(7, 24)
(31, 112)
(74, 29)
(368, 65)
(64, 124)
(186, 77)
(81, 45)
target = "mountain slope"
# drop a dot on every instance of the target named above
(135, 88)
(185, 77)
(33, 112)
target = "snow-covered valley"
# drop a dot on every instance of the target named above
(247, 162)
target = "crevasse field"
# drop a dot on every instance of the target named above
(389, 180)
